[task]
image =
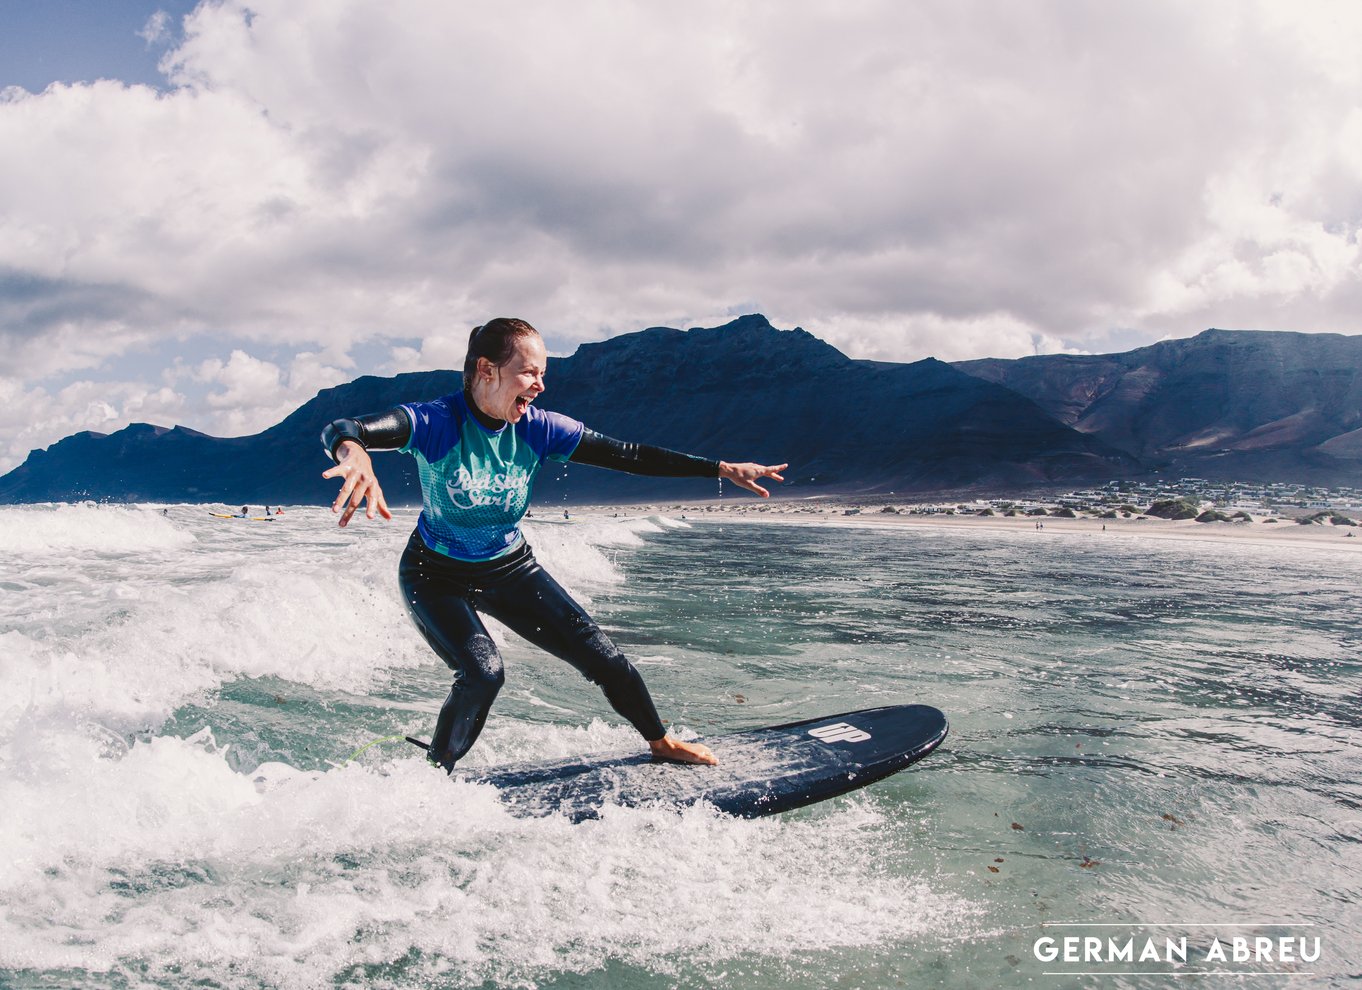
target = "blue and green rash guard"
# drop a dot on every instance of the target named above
(475, 482)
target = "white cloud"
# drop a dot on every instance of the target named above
(34, 417)
(950, 179)
(156, 30)
(245, 380)
(245, 394)
(887, 337)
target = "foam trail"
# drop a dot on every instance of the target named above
(152, 655)
(153, 852)
(88, 527)
(250, 866)
(582, 553)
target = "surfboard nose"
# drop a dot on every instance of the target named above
(876, 733)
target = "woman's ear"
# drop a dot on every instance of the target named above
(485, 367)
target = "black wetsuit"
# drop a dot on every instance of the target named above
(445, 594)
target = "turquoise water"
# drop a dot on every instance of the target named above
(1149, 740)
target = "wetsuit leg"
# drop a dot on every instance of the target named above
(535, 606)
(443, 611)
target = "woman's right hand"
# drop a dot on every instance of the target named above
(355, 466)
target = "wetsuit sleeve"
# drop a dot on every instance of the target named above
(640, 458)
(389, 430)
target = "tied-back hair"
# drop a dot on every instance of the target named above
(495, 341)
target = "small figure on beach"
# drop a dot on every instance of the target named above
(245, 512)
(477, 452)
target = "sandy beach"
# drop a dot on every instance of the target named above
(1283, 532)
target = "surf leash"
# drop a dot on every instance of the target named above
(375, 742)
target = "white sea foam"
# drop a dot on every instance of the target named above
(168, 852)
(335, 627)
(166, 855)
(667, 522)
(128, 645)
(581, 553)
(149, 634)
(1220, 692)
(88, 527)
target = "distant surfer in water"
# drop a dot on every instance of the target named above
(477, 453)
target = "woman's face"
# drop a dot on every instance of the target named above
(506, 391)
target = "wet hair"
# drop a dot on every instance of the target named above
(495, 340)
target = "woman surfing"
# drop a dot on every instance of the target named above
(477, 453)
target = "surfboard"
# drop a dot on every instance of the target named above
(223, 515)
(761, 771)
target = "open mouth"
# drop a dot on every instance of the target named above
(522, 403)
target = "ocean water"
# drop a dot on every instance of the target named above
(1151, 742)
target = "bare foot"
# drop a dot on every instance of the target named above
(677, 751)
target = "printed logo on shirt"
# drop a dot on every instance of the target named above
(477, 489)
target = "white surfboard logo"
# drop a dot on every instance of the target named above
(839, 732)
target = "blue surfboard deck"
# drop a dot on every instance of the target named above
(761, 771)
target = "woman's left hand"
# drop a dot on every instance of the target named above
(746, 475)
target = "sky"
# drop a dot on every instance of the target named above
(210, 211)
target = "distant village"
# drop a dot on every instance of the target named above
(1184, 498)
(1215, 498)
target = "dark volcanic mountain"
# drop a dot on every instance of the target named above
(154, 464)
(1252, 405)
(740, 391)
(747, 390)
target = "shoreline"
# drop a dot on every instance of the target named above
(1287, 532)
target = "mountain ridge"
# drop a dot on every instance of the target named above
(748, 390)
(1226, 402)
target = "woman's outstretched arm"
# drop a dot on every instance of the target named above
(640, 458)
(348, 442)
